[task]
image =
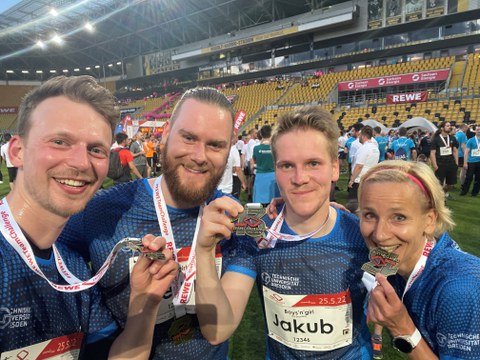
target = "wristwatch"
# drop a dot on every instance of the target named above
(406, 343)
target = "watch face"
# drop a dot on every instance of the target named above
(402, 345)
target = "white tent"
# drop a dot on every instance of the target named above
(373, 123)
(419, 122)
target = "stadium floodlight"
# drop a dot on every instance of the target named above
(53, 71)
(57, 39)
(53, 12)
(88, 68)
(97, 66)
(65, 70)
(41, 44)
(10, 72)
(25, 72)
(110, 65)
(119, 63)
(89, 27)
(39, 71)
(76, 69)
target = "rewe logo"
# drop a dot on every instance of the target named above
(304, 327)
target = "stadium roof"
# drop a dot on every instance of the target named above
(124, 29)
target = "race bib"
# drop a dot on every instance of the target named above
(476, 152)
(167, 309)
(317, 322)
(62, 348)
(445, 151)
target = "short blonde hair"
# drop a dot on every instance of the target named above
(308, 118)
(399, 171)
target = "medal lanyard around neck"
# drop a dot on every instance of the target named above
(447, 143)
(274, 234)
(182, 285)
(15, 237)
(419, 266)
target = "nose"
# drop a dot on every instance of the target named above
(382, 230)
(78, 158)
(300, 176)
(199, 155)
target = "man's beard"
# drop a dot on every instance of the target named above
(184, 194)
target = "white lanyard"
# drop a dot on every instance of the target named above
(447, 144)
(182, 286)
(274, 234)
(420, 266)
(15, 237)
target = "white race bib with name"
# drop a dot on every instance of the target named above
(167, 309)
(476, 152)
(445, 151)
(317, 322)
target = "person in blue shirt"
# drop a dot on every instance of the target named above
(434, 310)
(382, 142)
(461, 136)
(472, 165)
(64, 133)
(309, 280)
(403, 147)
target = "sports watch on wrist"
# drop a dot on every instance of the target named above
(406, 343)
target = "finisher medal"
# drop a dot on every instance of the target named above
(136, 245)
(382, 262)
(250, 222)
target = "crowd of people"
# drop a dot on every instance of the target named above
(182, 290)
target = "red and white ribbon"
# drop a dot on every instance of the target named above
(182, 286)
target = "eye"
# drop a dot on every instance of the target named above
(98, 151)
(58, 142)
(284, 166)
(188, 138)
(314, 163)
(368, 215)
(399, 217)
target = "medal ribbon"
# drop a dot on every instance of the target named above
(273, 233)
(15, 237)
(182, 285)
(419, 266)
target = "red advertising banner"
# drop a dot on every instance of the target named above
(8, 110)
(239, 118)
(394, 80)
(412, 97)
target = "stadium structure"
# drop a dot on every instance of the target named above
(384, 60)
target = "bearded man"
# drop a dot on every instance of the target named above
(196, 144)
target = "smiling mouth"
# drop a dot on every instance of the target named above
(195, 171)
(72, 183)
(389, 249)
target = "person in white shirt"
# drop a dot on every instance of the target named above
(232, 180)
(12, 170)
(366, 156)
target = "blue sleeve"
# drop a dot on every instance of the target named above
(241, 258)
(458, 319)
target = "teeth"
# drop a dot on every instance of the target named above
(388, 248)
(71, 182)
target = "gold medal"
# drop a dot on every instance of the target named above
(382, 262)
(181, 330)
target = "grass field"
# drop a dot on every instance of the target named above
(248, 342)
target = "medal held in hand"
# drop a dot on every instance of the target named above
(382, 262)
(250, 222)
(136, 245)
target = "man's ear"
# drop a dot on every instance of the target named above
(166, 131)
(16, 151)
